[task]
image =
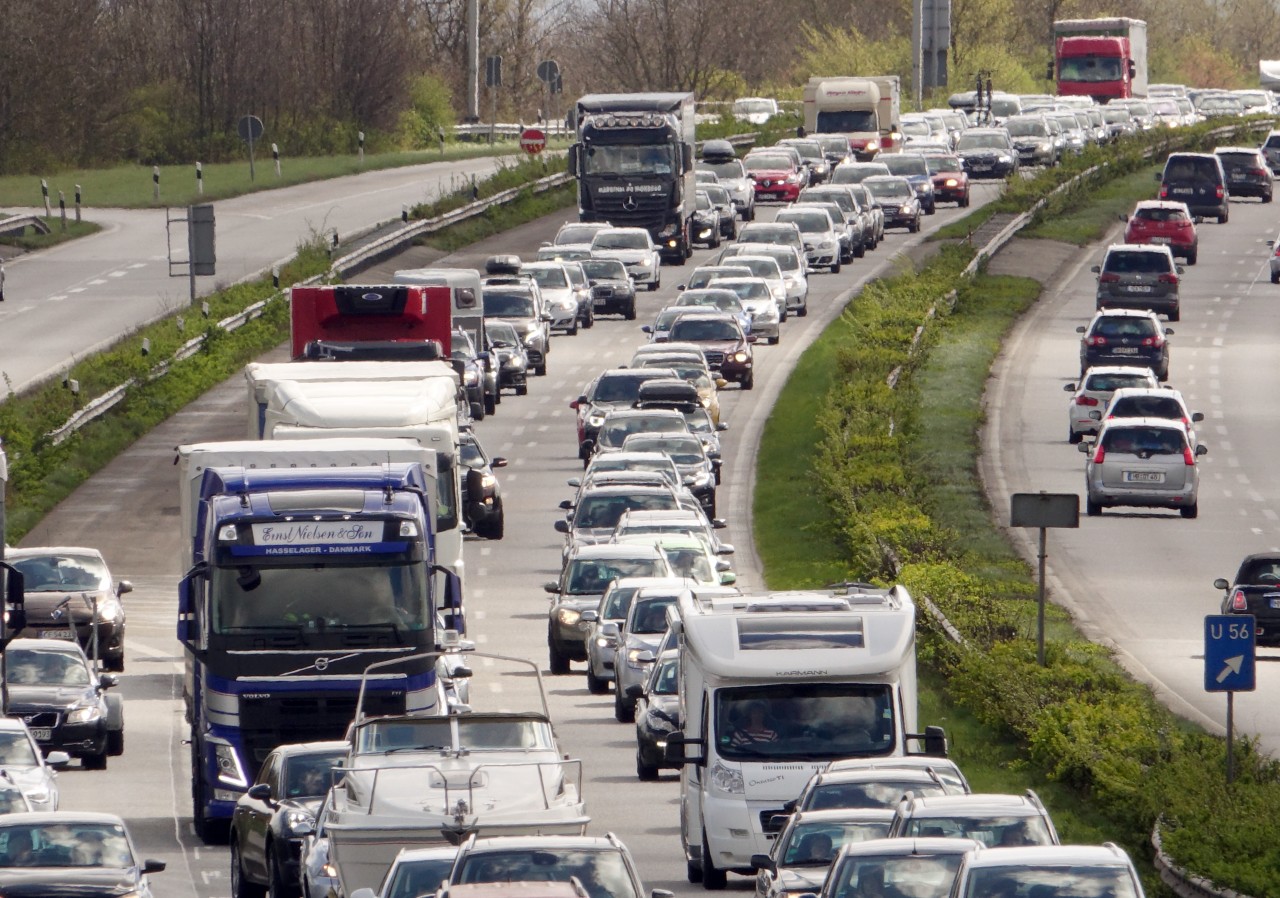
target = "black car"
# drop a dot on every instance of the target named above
(1255, 590)
(1200, 181)
(706, 221)
(478, 378)
(612, 289)
(481, 497)
(506, 349)
(1248, 173)
(987, 153)
(71, 854)
(279, 810)
(64, 701)
(65, 588)
(699, 470)
(898, 199)
(657, 714)
(1125, 337)
(614, 389)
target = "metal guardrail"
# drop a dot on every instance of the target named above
(1182, 882)
(22, 222)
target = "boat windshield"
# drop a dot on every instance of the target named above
(448, 734)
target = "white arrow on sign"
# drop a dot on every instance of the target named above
(1230, 666)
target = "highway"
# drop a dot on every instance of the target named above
(1140, 580)
(129, 512)
(79, 297)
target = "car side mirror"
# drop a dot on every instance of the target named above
(1069, 388)
(107, 680)
(680, 287)
(751, 338)
(260, 792)
(58, 759)
(1080, 330)
(590, 616)
(1197, 416)
(1221, 583)
(1096, 269)
(124, 587)
(150, 865)
(574, 482)
(562, 526)
(635, 690)
(661, 893)
(1180, 269)
(551, 587)
(763, 862)
(724, 549)
(646, 328)
(1084, 447)
(1202, 449)
(719, 523)
(1168, 332)
(365, 892)
(498, 462)
(1159, 176)
(722, 426)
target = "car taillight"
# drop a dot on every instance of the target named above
(1188, 457)
(1099, 455)
(1218, 191)
(1096, 341)
(1109, 279)
(1086, 400)
(1278, 249)
(1259, 173)
(1164, 192)
(1238, 601)
(1168, 279)
(1153, 341)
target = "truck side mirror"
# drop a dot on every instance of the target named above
(574, 152)
(686, 157)
(935, 742)
(14, 617)
(1133, 69)
(677, 750)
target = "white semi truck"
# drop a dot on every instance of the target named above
(775, 687)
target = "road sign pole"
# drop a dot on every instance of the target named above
(1043, 510)
(1044, 539)
(1231, 738)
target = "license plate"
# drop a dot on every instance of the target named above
(1274, 603)
(1161, 239)
(1178, 191)
(1144, 477)
(1238, 176)
(1125, 350)
(41, 734)
(1139, 288)
(978, 167)
(57, 634)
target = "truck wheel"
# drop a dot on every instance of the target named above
(595, 685)
(95, 762)
(559, 662)
(241, 887)
(211, 832)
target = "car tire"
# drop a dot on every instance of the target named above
(803, 311)
(540, 370)
(559, 660)
(1193, 256)
(590, 321)
(964, 201)
(114, 663)
(1073, 437)
(750, 380)
(914, 227)
(95, 762)
(835, 267)
(773, 341)
(645, 772)
(572, 331)
(933, 208)
(630, 314)
(115, 743)
(241, 887)
(1190, 511)
(490, 404)
(713, 880)
(652, 286)
(1275, 277)
(595, 685)
(1091, 508)
(623, 710)
(1266, 198)
(522, 389)
(1175, 315)
(861, 251)
(1224, 217)
(1163, 374)
(751, 213)
(715, 241)
(279, 885)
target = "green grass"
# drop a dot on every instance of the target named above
(525, 209)
(1107, 204)
(131, 186)
(31, 239)
(961, 228)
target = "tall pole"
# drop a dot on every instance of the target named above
(1040, 610)
(1231, 738)
(473, 60)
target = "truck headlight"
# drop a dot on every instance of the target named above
(229, 769)
(726, 779)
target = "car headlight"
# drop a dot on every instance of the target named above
(568, 616)
(85, 714)
(109, 610)
(740, 356)
(1005, 158)
(646, 262)
(726, 779)
(488, 481)
(1045, 145)
(296, 819)
(471, 377)
(604, 642)
(595, 420)
(633, 657)
(950, 182)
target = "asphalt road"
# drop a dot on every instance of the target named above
(1140, 580)
(77, 298)
(129, 509)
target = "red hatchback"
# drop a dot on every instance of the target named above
(950, 180)
(1169, 223)
(776, 176)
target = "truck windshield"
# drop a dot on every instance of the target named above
(804, 721)
(1091, 69)
(655, 159)
(315, 597)
(845, 120)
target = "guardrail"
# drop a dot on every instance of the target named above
(22, 222)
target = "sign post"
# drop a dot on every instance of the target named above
(249, 127)
(1230, 644)
(1044, 510)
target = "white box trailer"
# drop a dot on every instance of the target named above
(774, 688)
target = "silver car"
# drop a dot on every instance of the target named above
(558, 293)
(757, 298)
(634, 248)
(638, 639)
(795, 276)
(605, 622)
(26, 766)
(821, 235)
(1139, 276)
(1147, 462)
(1094, 392)
(1152, 402)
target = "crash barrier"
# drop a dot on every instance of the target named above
(19, 223)
(1182, 882)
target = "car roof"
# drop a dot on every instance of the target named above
(938, 805)
(904, 846)
(1125, 392)
(611, 228)
(1125, 313)
(672, 346)
(66, 646)
(1160, 204)
(425, 854)
(1236, 150)
(506, 843)
(1051, 855)
(612, 550)
(304, 748)
(1160, 248)
(1117, 369)
(622, 413)
(843, 815)
(34, 551)
(874, 774)
(44, 817)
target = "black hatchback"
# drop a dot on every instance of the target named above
(1125, 337)
(1247, 172)
(1255, 590)
(1199, 180)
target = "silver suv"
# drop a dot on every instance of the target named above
(1139, 276)
(1148, 462)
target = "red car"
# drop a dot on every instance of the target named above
(1162, 221)
(950, 180)
(776, 176)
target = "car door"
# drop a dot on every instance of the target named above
(255, 819)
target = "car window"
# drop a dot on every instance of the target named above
(1113, 881)
(549, 277)
(1136, 262)
(726, 170)
(912, 874)
(1125, 326)
(1182, 168)
(1112, 382)
(1146, 407)
(667, 679)
(700, 330)
(906, 165)
(1158, 213)
(15, 749)
(1144, 440)
(602, 873)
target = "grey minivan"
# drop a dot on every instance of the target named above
(1200, 181)
(1146, 462)
(1139, 276)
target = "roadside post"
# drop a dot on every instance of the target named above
(249, 128)
(200, 179)
(155, 182)
(44, 193)
(77, 202)
(62, 209)
(1044, 510)
(1230, 643)
(275, 157)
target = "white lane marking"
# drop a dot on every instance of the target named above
(117, 274)
(96, 282)
(59, 298)
(76, 290)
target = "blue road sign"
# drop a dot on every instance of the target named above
(1229, 653)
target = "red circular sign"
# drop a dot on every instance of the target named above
(533, 141)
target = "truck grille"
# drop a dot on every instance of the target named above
(270, 722)
(633, 210)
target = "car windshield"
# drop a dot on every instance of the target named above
(718, 195)
(906, 165)
(916, 129)
(613, 433)
(501, 332)
(703, 276)
(508, 305)
(939, 164)
(662, 323)
(920, 875)
(884, 792)
(1085, 881)
(990, 829)
(699, 330)
(895, 189)
(1005, 106)
(648, 615)
(808, 222)
(1144, 441)
(69, 843)
(310, 775)
(769, 234)
(803, 721)
(1116, 116)
(1145, 407)
(617, 388)
(725, 170)
(16, 750)
(816, 844)
(602, 873)
(839, 198)
(989, 141)
(576, 234)
(769, 162)
(553, 277)
(604, 269)
(621, 240)
(763, 268)
(422, 876)
(1137, 262)
(604, 511)
(808, 149)
(400, 734)
(649, 159)
(58, 572)
(36, 667)
(682, 450)
(1242, 160)
(723, 299)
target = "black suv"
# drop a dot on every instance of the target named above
(1248, 173)
(1200, 181)
(1125, 337)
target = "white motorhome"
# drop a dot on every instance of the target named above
(773, 688)
(373, 400)
(868, 110)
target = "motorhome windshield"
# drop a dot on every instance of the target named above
(841, 121)
(804, 721)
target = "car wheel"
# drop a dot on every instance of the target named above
(751, 214)
(914, 227)
(645, 772)
(490, 404)
(773, 341)
(590, 321)
(1224, 217)
(630, 314)
(595, 685)
(750, 380)
(522, 389)
(573, 331)
(803, 311)
(1192, 256)
(715, 240)
(240, 886)
(1190, 511)
(115, 743)
(964, 201)
(713, 880)
(835, 267)
(1267, 197)
(933, 208)
(559, 662)
(1091, 508)
(860, 251)
(1163, 374)
(114, 663)
(623, 710)
(652, 286)
(1073, 437)
(279, 884)
(1275, 277)
(540, 370)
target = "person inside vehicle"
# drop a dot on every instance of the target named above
(19, 852)
(871, 882)
(814, 848)
(754, 730)
(311, 780)
(1015, 835)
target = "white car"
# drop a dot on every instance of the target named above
(559, 296)
(1094, 392)
(795, 275)
(634, 248)
(1152, 402)
(757, 298)
(820, 233)
(26, 766)
(767, 269)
